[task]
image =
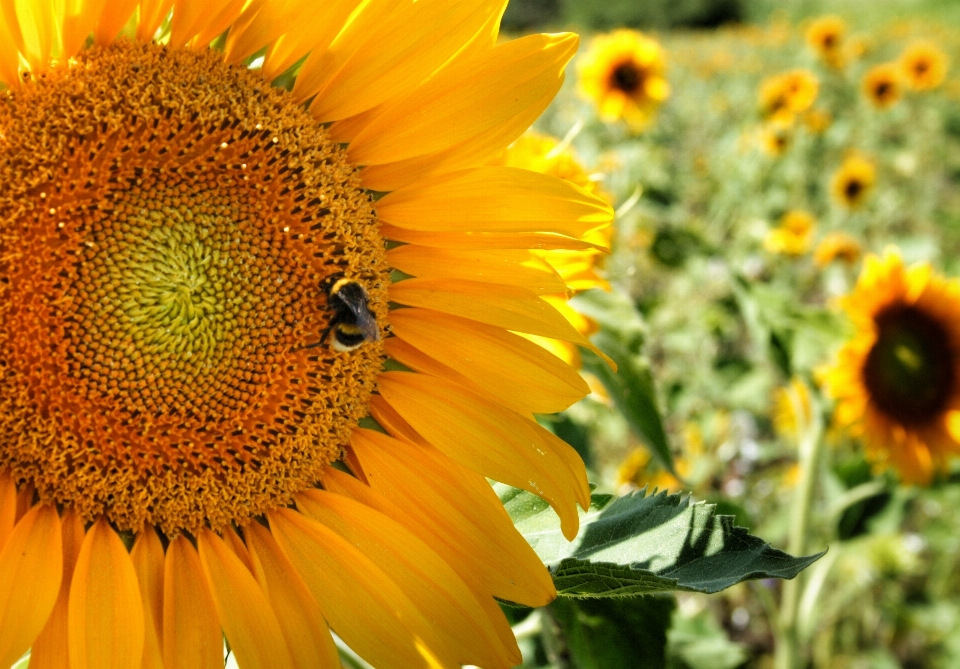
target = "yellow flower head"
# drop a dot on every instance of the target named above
(200, 300)
(897, 381)
(787, 94)
(775, 138)
(623, 73)
(817, 120)
(794, 234)
(825, 36)
(837, 246)
(924, 66)
(881, 85)
(791, 408)
(853, 181)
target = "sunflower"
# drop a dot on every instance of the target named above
(881, 85)
(924, 66)
(794, 234)
(578, 268)
(853, 181)
(623, 74)
(784, 95)
(836, 246)
(198, 311)
(825, 36)
(817, 120)
(897, 381)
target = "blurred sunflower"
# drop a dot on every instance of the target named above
(791, 408)
(825, 36)
(924, 66)
(775, 138)
(836, 246)
(623, 73)
(784, 95)
(881, 85)
(197, 318)
(794, 234)
(578, 268)
(817, 120)
(896, 380)
(853, 181)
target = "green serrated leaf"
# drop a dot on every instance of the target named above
(640, 544)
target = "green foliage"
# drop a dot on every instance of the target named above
(606, 14)
(640, 544)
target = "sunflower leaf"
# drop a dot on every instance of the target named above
(640, 544)
(631, 387)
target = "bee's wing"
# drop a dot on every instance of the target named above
(356, 300)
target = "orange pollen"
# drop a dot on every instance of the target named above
(166, 225)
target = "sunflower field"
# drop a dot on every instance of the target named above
(428, 334)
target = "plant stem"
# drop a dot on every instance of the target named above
(788, 652)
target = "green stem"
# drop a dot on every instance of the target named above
(788, 652)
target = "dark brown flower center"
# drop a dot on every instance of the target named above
(910, 372)
(627, 77)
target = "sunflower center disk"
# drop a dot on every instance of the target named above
(909, 371)
(164, 253)
(627, 77)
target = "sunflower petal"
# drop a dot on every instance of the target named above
(201, 22)
(38, 23)
(487, 240)
(105, 621)
(50, 651)
(79, 20)
(31, 568)
(514, 268)
(471, 97)
(191, 627)
(307, 634)
(152, 15)
(367, 609)
(113, 19)
(434, 587)
(248, 620)
(8, 506)
(378, 63)
(488, 439)
(508, 307)
(466, 524)
(495, 199)
(315, 27)
(502, 363)
(9, 56)
(147, 558)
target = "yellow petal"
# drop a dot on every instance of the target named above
(31, 568)
(371, 64)
(50, 651)
(307, 634)
(495, 199)
(486, 240)
(446, 602)
(465, 523)
(8, 506)
(510, 267)
(235, 543)
(79, 19)
(147, 558)
(490, 440)
(114, 18)
(152, 15)
(466, 100)
(500, 362)
(9, 56)
(249, 623)
(508, 307)
(201, 22)
(105, 622)
(191, 628)
(363, 605)
(313, 32)
(39, 23)
(24, 500)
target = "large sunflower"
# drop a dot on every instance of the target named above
(197, 311)
(897, 381)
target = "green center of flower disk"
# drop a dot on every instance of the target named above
(168, 224)
(911, 369)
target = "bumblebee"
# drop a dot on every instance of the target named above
(351, 322)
